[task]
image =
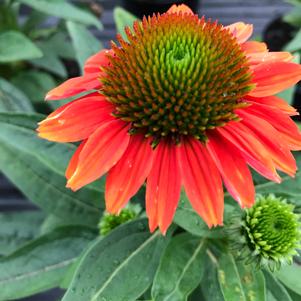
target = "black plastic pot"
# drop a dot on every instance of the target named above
(142, 8)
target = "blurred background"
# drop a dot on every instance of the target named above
(58, 35)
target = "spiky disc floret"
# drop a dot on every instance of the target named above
(270, 232)
(176, 75)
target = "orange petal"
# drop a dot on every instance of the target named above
(234, 170)
(129, 174)
(163, 187)
(273, 77)
(74, 86)
(241, 31)
(278, 150)
(254, 47)
(182, 8)
(94, 63)
(273, 102)
(74, 160)
(250, 149)
(101, 151)
(265, 57)
(288, 130)
(202, 181)
(77, 120)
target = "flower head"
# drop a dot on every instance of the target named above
(183, 102)
(271, 232)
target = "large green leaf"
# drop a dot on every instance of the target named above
(49, 62)
(46, 188)
(63, 9)
(14, 46)
(35, 84)
(118, 267)
(238, 281)
(122, 19)
(42, 263)
(276, 290)
(181, 268)
(18, 228)
(210, 285)
(290, 275)
(84, 43)
(12, 99)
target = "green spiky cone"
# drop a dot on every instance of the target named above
(109, 221)
(268, 233)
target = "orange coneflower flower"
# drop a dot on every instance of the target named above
(184, 102)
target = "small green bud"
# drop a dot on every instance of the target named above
(110, 221)
(270, 231)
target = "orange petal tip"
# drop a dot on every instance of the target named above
(177, 9)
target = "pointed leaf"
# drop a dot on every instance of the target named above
(12, 99)
(14, 46)
(290, 276)
(42, 263)
(18, 228)
(84, 43)
(181, 268)
(63, 9)
(119, 266)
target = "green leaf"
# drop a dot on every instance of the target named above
(294, 17)
(46, 188)
(288, 94)
(181, 268)
(239, 282)
(276, 290)
(42, 263)
(290, 276)
(35, 84)
(84, 43)
(63, 9)
(210, 285)
(119, 266)
(49, 62)
(12, 99)
(14, 46)
(18, 228)
(122, 19)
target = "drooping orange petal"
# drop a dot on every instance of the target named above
(254, 47)
(273, 102)
(163, 187)
(268, 57)
(129, 174)
(273, 77)
(278, 150)
(202, 181)
(101, 59)
(250, 148)
(102, 150)
(74, 160)
(77, 120)
(233, 168)
(288, 130)
(182, 8)
(241, 31)
(74, 86)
